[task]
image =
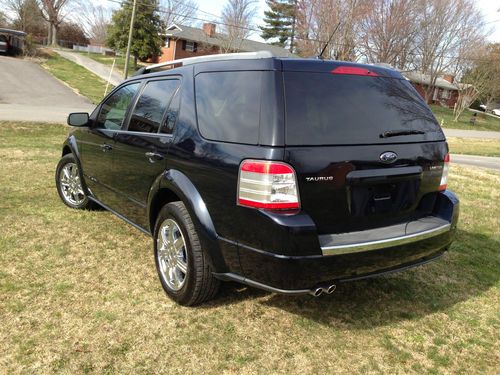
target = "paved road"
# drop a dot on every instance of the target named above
(97, 68)
(476, 161)
(29, 93)
(471, 133)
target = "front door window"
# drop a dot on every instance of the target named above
(114, 109)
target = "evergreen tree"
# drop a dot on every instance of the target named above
(278, 19)
(148, 27)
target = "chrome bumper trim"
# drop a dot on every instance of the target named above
(387, 242)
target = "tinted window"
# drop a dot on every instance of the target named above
(171, 115)
(228, 105)
(322, 108)
(114, 109)
(148, 112)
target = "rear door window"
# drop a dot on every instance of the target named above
(326, 109)
(149, 111)
(228, 105)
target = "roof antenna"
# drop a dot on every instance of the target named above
(320, 56)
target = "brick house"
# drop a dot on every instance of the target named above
(445, 90)
(185, 41)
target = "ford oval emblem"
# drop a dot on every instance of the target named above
(388, 157)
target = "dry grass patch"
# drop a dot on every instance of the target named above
(79, 294)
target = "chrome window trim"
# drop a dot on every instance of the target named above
(387, 242)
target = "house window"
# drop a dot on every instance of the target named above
(190, 46)
(445, 94)
(167, 42)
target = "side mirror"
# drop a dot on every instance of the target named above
(78, 119)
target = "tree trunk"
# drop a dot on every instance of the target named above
(54, 35)
(49, 36)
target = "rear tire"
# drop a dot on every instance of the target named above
(69, 184)
(182, 265)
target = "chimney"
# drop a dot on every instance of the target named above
(209, 29)
(449, 77)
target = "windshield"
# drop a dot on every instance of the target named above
(326, 109)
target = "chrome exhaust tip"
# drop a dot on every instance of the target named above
(316, 292)
(331, 289)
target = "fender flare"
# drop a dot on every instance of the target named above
(184, 189)
(71, 143)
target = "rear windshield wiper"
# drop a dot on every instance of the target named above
(395, 133)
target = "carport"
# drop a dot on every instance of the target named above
(15, 39)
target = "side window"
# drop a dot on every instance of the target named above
(114, 109)
(228, 105)
(150, 108)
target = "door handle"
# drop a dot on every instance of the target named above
(106, 147)
(153, 156)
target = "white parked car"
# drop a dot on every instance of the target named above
(496, 112)
(4, 44)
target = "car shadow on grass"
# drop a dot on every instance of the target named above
(468, 270)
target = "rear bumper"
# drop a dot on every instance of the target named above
(376, 252)
(311, 290)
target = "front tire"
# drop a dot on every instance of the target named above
(182, 265)
(69, 184)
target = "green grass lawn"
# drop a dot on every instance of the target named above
(119, 62)
(474, 146)
(79, 294)
(77, 77)
(483, 122)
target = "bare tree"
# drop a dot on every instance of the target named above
(4, 21)
(482, 80)
(336, 20)
(237, 17)
(388, 30)
(178, 11)
(26, 16)
(52, 11)
(94, 19)
(447, 27)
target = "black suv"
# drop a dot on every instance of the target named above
(290, 175)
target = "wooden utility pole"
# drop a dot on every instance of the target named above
(127, 55)
(294, 19)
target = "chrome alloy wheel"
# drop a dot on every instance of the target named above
(172, 255)
(71, 186)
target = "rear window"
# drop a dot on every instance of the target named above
(228, 105)
(324, 109)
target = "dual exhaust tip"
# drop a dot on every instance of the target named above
(316, 292)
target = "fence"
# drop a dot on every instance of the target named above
(75, 46)
(91, 49)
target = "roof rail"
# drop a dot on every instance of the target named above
(200, 59)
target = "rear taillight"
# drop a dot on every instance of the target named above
(444, 176)
(268, 185)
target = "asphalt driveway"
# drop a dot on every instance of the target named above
(482, 134)
(476, 161)
(29, 93)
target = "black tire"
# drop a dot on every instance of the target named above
(81, 200)
(199, 284)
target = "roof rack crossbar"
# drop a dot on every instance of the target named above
(200, 59)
